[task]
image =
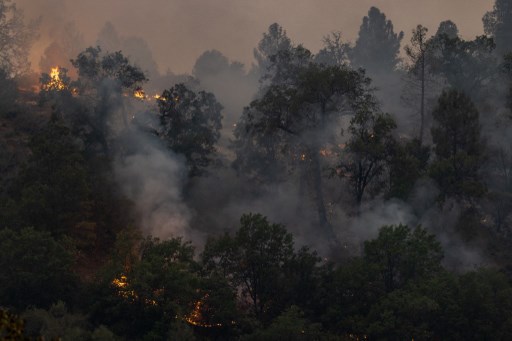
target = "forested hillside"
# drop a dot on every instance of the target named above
(358, 192)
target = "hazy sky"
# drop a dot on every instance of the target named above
(178, 31)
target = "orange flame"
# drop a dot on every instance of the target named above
(55, 82)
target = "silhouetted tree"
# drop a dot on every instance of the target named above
(190, 125)
(498, 25)
(289, 122)
(418, 71)
(367, 153)
(459, 147)
(273, 41)
(378, 46)
(448, 28)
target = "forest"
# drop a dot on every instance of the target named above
(359, 192)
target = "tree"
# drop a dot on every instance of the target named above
(448, 28)
(52, 187)
(151, 293)
(378, 46)
(464, 65)
(407, 163)
(367, 152)
(498, 25)
(417, 53)
(103, 78)
(459, 147)
(8, 94)
(232, 86)
(190, 125)
(402, 255)
(253, 260)
(290, 122)
(59, 323)
(35, 269)
(335, 52)
(15, 39)
(273, 41)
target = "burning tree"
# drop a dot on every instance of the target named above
(98, 103)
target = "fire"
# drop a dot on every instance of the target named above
(123, 291)
(196, 317)
(55, 82)
(139, 94)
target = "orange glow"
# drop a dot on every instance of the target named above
(123, 291)
(196, 317)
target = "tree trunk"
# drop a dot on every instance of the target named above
(318, 193)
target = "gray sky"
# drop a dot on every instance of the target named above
(178, 31)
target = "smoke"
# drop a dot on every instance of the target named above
(161, 35)
(153, 179)
(178, 31)
(423, 210)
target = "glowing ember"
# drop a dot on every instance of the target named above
(123, 291)
(196, 317)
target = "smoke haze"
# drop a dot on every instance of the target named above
(178, 31)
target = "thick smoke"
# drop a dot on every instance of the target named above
(153, 179)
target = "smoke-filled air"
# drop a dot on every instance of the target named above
(256, 170)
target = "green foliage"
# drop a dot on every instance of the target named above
(467, 66)
(35, 269)
(50, 190)
(57, 323)
(103, 79)
(401, 255)
(458, 147)
(290, 325)
(367, 152)
(190, 124)
(253, 260)
(144, 299)
(402, 315)
(95, 67)
(407, 163)
(285, 130)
